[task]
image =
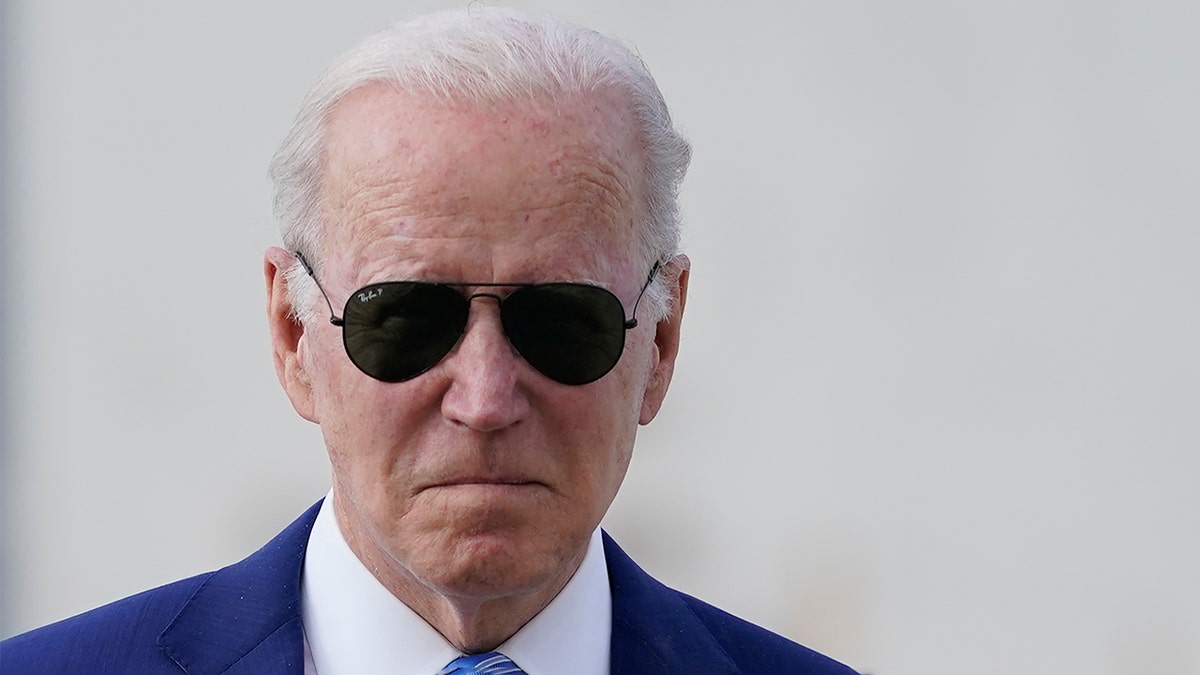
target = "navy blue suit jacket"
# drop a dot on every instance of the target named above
(245, 618)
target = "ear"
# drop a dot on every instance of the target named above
(666, 339)
(287, 334)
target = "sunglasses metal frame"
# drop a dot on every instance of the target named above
(628, 322)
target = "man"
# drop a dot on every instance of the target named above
(485, 205)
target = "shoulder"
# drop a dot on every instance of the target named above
(756, 649)
(209, 621)
(119, 637)
(657, 629)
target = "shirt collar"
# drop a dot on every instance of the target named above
(352, 624)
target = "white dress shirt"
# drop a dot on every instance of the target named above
(355, 626)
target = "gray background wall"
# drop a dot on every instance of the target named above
(936, 410)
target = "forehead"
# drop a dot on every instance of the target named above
(492, 188)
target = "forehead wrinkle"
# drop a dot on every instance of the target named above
(355, 194)
(586, 175)
(356, 202)
(386, 259)
(589, 199)
(602, 193)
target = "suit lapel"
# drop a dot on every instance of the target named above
(654, 631)
(246, 617)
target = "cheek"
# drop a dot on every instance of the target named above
(329, 385)
(633, 372)
(632, 377)
(320, 351)
(611, 421)
(343, 395)
(350, 406)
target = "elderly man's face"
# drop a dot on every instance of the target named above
(481, 478)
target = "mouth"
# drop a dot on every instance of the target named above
(486, 483)
(478, 493)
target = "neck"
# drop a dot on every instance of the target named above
(473, 626)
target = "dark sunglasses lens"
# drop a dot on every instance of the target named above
(572, 333)
(395, 331)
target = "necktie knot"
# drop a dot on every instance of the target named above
(491, 663)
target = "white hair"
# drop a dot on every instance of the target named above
(482, 55)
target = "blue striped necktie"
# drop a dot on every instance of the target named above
(491, 663)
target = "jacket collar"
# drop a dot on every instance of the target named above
(654, 630)
(246, 617)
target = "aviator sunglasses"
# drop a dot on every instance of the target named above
(570, 332)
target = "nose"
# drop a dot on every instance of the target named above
(484, 392)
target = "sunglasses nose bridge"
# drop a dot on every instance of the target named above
(471, 297)
(474, 318)
(486, 295)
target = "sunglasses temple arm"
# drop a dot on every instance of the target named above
(633, 322)
(333, 318)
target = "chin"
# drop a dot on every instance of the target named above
(489, 565)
